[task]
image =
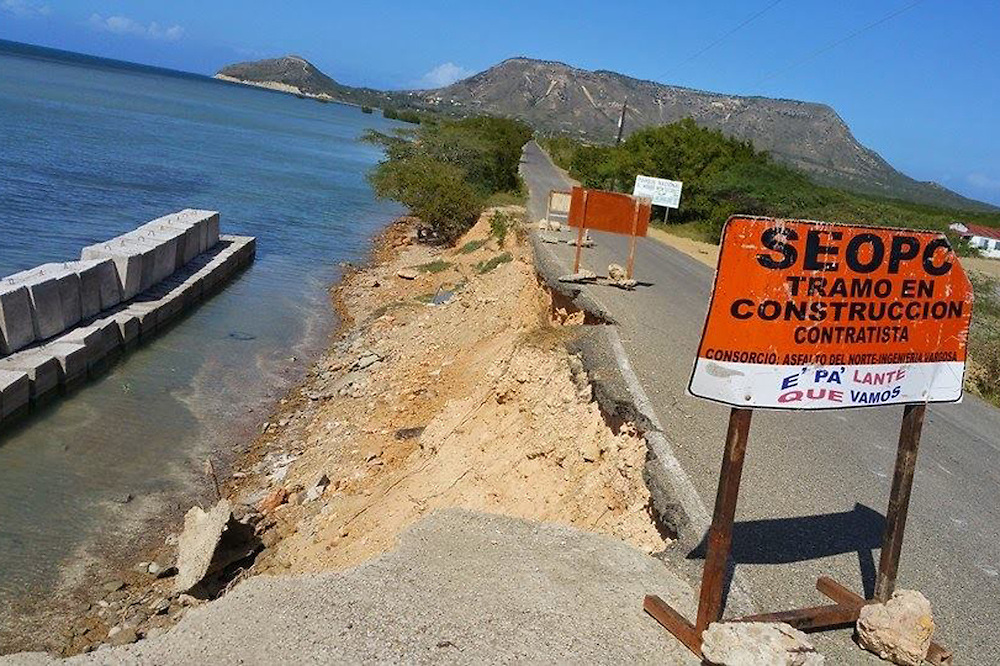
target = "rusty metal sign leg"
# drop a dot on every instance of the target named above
(720, 538)
(899, 500)
(720, 534)
(631, 245)
(579, 235)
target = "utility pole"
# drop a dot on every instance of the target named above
(621, 122)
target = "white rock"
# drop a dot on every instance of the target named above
(757, 644)
(407, 274)
(202, 532)
(616, 273)
(899, 630)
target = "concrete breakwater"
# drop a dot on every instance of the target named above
(62, 323)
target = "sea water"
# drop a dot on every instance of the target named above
(91, 148)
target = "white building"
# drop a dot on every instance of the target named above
(984, 239)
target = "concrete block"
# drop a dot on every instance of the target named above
(46, 301)
(101, 338)
(206, 222)
(158, 257)
(16, 327)
(15, 392)
(73, 358)
(69, 293)
(129, 263)
(147, 313)
(99, 288)
(42, 369)
(191, 224)
(176, 238)
(90, 287)
(213, 231)
(192, 289)
(128, 328)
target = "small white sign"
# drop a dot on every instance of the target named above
(663, 192)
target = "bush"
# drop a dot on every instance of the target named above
(406, 116)
(435, 192)
(366, 109)
(484, 267)
(446, 170)
(723, 176)
(500, 223)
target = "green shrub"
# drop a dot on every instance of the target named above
(366, 109)
(433, 267)
(484, 267)
(404, 115)
(500, 223)
(723, 176)
(444, 171)
(472, 246)
(435, 192)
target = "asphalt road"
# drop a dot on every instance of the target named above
(815, 485)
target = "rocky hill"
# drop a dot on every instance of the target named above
(556, 98)
(297, 75)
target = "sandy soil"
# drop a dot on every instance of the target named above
(505, 418)
(706, 253)
(472, 402)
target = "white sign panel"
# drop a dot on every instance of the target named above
(663, 192)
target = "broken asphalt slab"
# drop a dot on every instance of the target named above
(460, 588)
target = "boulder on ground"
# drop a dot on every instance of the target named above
(899, 630)
(616, 273)
(757, 644)
(581, 276)
(407, 273)
(196, 547)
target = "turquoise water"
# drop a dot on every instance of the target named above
(89, 149)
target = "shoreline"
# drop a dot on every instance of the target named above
(100, 561)
(337, 471)
(286, 88)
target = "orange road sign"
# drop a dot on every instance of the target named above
(811, 315)
(608, 211)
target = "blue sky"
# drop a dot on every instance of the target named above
(922, 88)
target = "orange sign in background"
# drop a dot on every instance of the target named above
(609, 211)
(881, 310)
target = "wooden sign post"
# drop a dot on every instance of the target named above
(790, 326)
(608, 211)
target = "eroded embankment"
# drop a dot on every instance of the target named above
(473, 403)
(450, 386)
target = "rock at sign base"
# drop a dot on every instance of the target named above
(616, 273)
(582, 276)
(899, 630)
(757, 644)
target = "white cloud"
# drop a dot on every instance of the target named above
(25, 8)
(983, 181)
(123, 25)
(443, 75)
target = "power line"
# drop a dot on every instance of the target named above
(834, 44)
(723, 38)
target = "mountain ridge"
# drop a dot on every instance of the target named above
(557, 98)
